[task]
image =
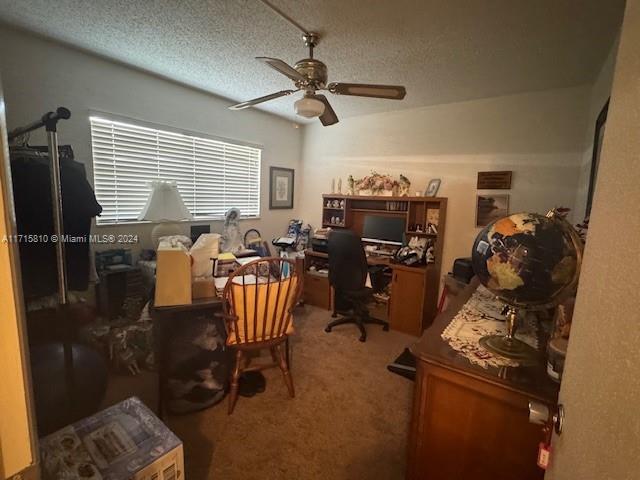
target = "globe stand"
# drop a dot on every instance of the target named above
(507, 345)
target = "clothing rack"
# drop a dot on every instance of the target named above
(50, 121)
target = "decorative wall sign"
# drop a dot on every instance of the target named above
(494, 180)
(491, 207)
(281, 187)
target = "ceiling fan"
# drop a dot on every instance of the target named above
(310, 76)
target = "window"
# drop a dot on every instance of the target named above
(212, 175)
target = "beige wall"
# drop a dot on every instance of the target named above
(40, 75)
(540, 136)
(601, 387)
(600, 92)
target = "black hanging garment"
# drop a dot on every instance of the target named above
(34, 217)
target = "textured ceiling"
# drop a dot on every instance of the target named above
(441, 50)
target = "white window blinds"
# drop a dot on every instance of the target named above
(212, 175)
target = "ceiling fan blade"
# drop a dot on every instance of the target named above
(258, 100)
(391, 92)
(282, 67)
(328, 117)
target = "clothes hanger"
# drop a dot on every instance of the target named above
(19, 148)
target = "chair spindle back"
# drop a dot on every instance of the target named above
(259, 298)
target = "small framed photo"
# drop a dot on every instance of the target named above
(432, 188)
(281, 182)
(491, 207)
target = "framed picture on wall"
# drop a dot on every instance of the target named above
(281, 187)
(432, 188)
(491, 207)
(595, 156)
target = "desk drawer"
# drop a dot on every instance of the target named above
(317, 291)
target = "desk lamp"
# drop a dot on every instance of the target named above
(166, 208)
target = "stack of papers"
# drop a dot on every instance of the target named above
(246, 252)
(245, 260)
(220, 283)
(226, 257)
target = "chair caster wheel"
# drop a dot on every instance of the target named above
(327, 329)
(385, 328)
(363, 338)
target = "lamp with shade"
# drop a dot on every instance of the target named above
(164, 206)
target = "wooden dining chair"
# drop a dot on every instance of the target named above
(258, 303)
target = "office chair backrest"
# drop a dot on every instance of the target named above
(347, 261)
(258, 300)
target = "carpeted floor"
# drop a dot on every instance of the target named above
(349, 419)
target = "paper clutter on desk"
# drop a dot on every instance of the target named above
(206, 248)
(220, 283)
(244, 260)
(182, 274)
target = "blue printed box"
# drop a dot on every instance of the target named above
(123, 442)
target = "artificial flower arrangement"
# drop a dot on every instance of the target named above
(379, 184)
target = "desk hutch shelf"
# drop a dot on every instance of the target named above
(414, 290)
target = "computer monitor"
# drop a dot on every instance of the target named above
(385, 230)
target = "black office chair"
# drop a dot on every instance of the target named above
(348, 275)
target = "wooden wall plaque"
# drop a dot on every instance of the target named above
(494, 180)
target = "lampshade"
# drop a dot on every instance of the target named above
(309, 107)
(164, 204)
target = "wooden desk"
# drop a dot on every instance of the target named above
(471, 422)
(414, 290)
(414, 295)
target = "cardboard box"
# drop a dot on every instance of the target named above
(173, 276)
(123, 442)
(203, 287)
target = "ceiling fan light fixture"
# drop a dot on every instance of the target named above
(309, 107)
(310, 76)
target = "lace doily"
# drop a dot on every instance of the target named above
(481, 316)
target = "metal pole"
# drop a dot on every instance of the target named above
(285, 16)
(58, 231)
(58, 225)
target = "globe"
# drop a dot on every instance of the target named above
(528, 261)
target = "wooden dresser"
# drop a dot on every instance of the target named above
(469, 422)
